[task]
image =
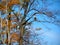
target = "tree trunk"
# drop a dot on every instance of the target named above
(21, 35)
(8, 33)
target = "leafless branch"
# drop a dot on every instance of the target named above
(29, 18)
(31, 3)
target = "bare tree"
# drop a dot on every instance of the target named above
(22, 19)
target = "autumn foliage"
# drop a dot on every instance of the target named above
(13, 2)
(2, 7)
(14, 37)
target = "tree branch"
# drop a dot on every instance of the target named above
(36, 10)
(29, 18)
(31, 4)
(49, 14)
(26, 11)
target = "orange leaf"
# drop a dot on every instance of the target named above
(13, 2)
(2, 7)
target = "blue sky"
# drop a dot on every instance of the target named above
(51, 32)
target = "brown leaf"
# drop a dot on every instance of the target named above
(2, 7)
(15, 36)
(13, 2)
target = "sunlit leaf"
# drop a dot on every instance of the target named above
(13, 2)
(2, 7)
